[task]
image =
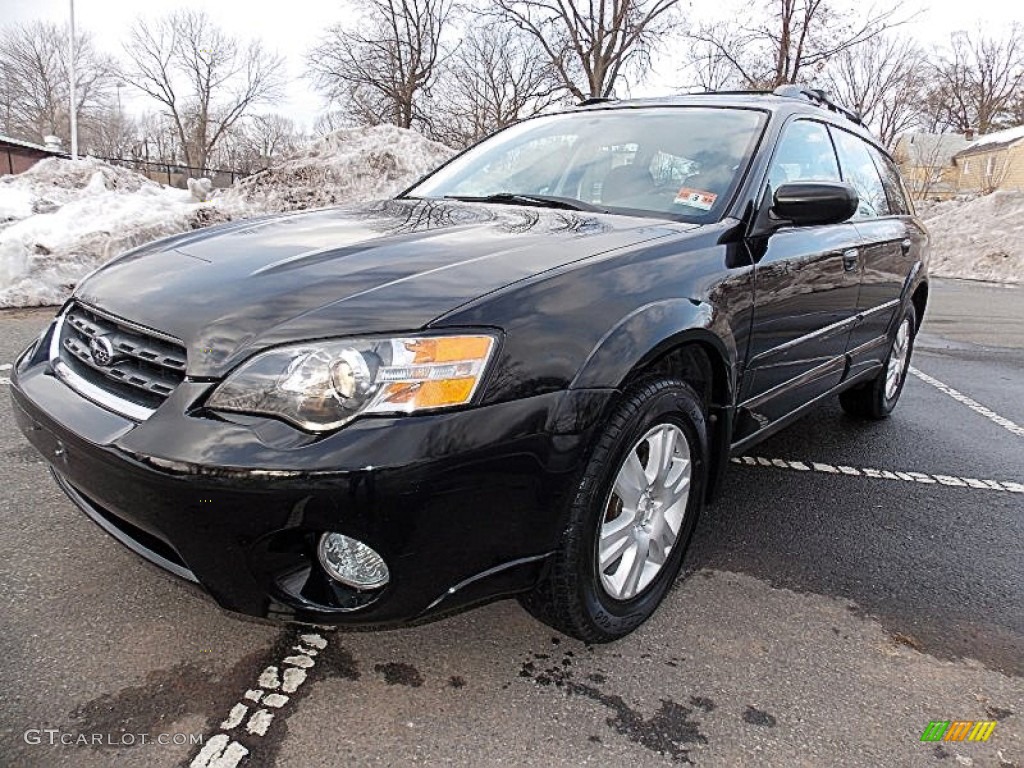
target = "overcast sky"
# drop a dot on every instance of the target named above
(294, 27)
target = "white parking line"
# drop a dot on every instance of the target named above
(974, 405)
(264, 701)
(951, 481)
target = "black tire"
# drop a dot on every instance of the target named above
(869, 400)
(570, 596)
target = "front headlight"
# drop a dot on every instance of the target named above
(319, 386)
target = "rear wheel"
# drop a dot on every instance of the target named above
(876, 398)
(632, 517)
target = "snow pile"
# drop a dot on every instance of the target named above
(979, 239)
(63, 218)
(349, 165)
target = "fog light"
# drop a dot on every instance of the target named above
(351, 562)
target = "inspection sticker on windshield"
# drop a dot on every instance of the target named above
(696, 198)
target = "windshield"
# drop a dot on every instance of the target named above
(672, 162)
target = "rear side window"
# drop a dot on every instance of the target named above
(804, 153)
(860, 171)
(892, 182)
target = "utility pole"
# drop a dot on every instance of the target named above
(71, 70)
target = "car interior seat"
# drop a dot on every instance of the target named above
(627, 184)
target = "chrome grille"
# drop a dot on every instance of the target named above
(135, 366)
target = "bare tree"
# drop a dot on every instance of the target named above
(785, 41)
(883, 79)
(976, 80)
(113, 135)
(497, 76)
(330, 121)
(34, 82)
(707, 70)
(158, 140)
(269, 136)
(1015, 109)
(381, 68)
(205, 80)
(591, 48)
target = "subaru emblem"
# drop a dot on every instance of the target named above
(101, 350)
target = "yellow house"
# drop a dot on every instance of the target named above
(993, 161)
(926, 162)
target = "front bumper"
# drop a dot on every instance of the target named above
(463, 506)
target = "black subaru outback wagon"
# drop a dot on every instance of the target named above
(523, 376)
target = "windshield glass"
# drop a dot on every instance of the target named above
(673, 162)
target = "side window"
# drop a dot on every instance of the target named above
(892, 182)
(859, 169)
(804, 153)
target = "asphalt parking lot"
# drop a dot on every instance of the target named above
(853, 582)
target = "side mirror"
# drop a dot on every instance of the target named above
(806, 203)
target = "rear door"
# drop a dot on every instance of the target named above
(805, 294)
(889, 242)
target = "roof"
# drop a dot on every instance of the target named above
(931, 149)
(994, 141)
(764, 100)
(28, 145)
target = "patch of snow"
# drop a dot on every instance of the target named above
(63, 218)
(979, 238)
(349, 165)
(14, 204)
(200, 189)
(999, 137)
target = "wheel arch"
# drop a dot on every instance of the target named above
(654, 332)
(676, 339)
(919, 299)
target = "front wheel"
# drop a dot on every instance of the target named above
(876, 398)
(632, 517)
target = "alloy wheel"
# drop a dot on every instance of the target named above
(644, 512)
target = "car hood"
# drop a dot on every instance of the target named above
(378, 267)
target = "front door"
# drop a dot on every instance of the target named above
(806, 284)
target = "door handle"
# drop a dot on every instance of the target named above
(905, 246)
(850, 257)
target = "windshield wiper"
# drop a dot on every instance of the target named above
(517, 198)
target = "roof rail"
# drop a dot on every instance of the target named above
(819, 97)
(737, 92)
(596, 100)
